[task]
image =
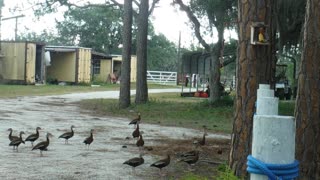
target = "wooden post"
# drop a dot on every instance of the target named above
(273, 138)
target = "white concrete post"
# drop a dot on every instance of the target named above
(273, 138)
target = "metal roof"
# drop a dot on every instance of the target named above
(64, 48)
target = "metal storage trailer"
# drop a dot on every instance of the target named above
(22, 62)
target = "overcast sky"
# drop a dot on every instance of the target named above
(166, 20)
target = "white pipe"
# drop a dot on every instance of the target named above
(273, 140)
(273, 136)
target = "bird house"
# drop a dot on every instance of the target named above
(259, 34)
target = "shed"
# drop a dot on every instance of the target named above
(116, 61)
(22, 62)
(106, 67)
(69, 64)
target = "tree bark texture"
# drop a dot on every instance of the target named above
(214, 80)
(142, 40)
(307, 112)
(124, 99)
(255, 65)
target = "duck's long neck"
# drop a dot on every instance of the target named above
(204, 138)
(37, 132)
(20, 136)
(48, 139)
(91, 135)
(72, 131)
(10, 134)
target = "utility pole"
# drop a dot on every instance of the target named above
(178, 59)
(1, 5)
(16, 28)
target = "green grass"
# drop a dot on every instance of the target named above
(173, 110)
(9, 91)
(286, 108)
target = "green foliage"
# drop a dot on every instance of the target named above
(162, 54)
(44, 36)
(290, 20)
(191, 176)
(225, 173)
(218, 12)
(95, 27)
(286, 108)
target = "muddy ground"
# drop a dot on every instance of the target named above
(104, 159)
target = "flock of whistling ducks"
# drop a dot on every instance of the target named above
(190, 157)
(15, 141)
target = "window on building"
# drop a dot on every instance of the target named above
(96, 67)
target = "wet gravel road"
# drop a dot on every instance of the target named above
(55, 114)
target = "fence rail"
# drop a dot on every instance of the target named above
(162, 77)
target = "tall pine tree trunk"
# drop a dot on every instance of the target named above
(124, 99)
(214, 79)
(142, 35)
(255, 65)
(307, 111)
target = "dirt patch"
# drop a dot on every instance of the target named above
(214, 153)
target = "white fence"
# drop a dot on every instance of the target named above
(162, 77)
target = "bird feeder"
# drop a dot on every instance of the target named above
(259, 33)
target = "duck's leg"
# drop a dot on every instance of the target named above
(134, 170)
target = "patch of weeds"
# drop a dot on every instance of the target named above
(225, 173)
(191, 176)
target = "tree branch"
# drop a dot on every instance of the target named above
(154, 2)
(195, 22)
(136, 2)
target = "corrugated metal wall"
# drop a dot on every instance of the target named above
(19, 62)
(31, 63)
(84, 65)
(13, 62)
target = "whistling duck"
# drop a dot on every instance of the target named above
(67, 135)
(33, 137)
(189, 153)
(136, 120)
(162, 163)
(140, 142)
(11, 138)
(136, 132)
(42, 146)
(89, 139)
(202, 142)
(17, 142)
(191, 160)
(134, 162)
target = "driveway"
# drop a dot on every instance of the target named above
(55, 114)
